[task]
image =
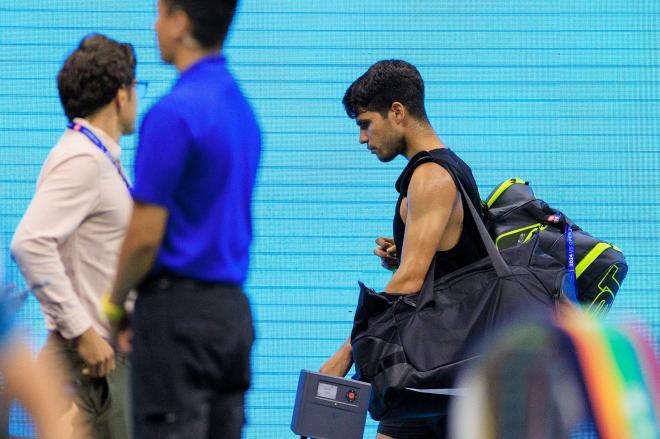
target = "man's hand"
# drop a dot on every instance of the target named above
(340, 363)
(97, 354)
(387, 253)
(122, 335)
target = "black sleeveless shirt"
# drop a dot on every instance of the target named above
(469, 247)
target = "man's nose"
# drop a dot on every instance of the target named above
(363, 137)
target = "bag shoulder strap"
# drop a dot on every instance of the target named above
(496, 258)
(501, 267)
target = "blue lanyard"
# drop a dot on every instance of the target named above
(570, 283)
(570, 263)
(96, 141)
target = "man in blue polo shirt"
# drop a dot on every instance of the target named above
(187, 245)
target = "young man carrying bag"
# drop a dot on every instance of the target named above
(436, 225)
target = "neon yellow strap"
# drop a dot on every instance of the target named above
(504, 186)
(590, 257)
(112, 312)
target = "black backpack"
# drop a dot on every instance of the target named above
(514, 215)
(405, 346)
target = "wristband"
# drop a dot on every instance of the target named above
(114, 313)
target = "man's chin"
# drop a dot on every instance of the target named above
(385, 158)
(129, 130)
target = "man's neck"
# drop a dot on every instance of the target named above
(186, 57)
(421, 138)
(106, 119)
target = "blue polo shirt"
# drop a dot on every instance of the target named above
(197, 157)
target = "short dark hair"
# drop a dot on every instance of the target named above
(91, 76)
(386, 82)
(210, 19)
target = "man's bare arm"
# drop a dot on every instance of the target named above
(431, 200)
(340, 363)
(143, 239)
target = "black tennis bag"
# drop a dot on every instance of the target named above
(514, 215)
(403, 344)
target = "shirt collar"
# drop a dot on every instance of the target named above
(210, 60)
(113, 147)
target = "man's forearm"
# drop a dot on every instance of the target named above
(340, 363)
(135, 261)
(44, 271)
(405, 281)
(347, 346)
(137, 255)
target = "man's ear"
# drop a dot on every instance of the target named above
(122, 97)
(398, 112)
(180, 24)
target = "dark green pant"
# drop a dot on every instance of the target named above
(104, 403)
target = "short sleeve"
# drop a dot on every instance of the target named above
(163, 149)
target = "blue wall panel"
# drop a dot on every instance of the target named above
(565, 94)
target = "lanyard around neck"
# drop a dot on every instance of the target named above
(96, 141)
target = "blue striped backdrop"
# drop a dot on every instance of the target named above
(565, 94)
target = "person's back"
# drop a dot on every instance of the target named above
(209, 141)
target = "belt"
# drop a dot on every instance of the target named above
(167, 280)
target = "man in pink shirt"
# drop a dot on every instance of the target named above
(67, 243)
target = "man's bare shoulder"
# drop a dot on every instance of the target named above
(431, 176)
(431, 187)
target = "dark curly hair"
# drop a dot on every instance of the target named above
(210, 19)
(386, 82)
(92, 74)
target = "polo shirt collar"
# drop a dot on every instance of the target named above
(215, 59)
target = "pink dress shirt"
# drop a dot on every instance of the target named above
(68, 242)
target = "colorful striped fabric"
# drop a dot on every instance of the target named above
(562, 379)
(621, 378)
